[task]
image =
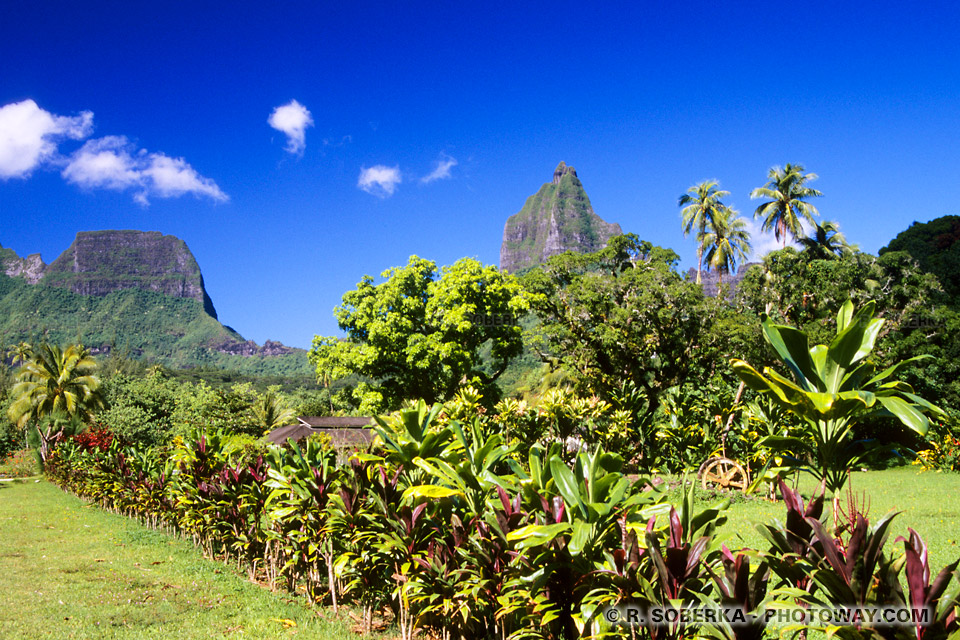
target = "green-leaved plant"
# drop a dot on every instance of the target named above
(834, 386)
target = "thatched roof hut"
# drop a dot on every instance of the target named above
(344, 432)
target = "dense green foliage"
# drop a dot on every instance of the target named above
(935, 245)
(419, 333)
(150, 326)
(623, 319)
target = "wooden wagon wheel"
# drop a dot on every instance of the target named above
(723, 474)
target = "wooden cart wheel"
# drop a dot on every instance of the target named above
(723, 474)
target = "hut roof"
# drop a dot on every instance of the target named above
(338, 422)
(295, 432)
(352, 434)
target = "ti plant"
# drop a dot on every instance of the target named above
(940, 599)
(833, 388)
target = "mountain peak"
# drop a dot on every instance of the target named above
(562, 170)
(556, 219)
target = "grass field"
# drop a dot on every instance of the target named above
(929, 502)
(68, 570)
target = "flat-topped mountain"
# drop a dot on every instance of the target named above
(100, 262)
(140, 291)
(556, 219)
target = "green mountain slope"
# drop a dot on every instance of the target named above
(154, 327)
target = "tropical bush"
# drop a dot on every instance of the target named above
(19, 464)
(834, 387)
(462, 533)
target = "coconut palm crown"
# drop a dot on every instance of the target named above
(727, 243)
(825, 242)
(701, 204)
(56, 380)
(786, 207)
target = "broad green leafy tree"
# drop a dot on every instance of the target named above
(833, 387)
(419, 333)
(55, 381)
(935, 245)
(702, 204)
(624, 316)
(793, 287)
(786, 206)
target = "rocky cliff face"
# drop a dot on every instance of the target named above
(556, 219)
(30, 268)
(251, 348)
(710, 282)
(100, 262)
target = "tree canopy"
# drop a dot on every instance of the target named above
(623, 315)
(419, 333)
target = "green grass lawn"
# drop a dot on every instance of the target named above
(929, 502)
(68, 570)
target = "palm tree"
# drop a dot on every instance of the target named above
(55, 381)
(826, 242)
(271, 412)
(20, 352)
(701, 203)
(727, 242)
(786, 207)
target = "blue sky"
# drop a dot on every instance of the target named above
(155, 117)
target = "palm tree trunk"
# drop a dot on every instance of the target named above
(699, 261)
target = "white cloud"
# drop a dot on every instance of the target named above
(113, 163)
(379, 180)
(441, 170)
(763, 242)
(292, 119)
(172, 177)
(29, 136)
(104, 163)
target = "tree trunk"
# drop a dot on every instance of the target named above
(699, 261)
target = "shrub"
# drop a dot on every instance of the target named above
(19, 464)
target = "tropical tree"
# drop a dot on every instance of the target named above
(55, 380)
(825, 242)
(20, 352)
(727, 242)
(786, 208)
(419, 334)
(701, 205)
(622, 318)
(271, 411)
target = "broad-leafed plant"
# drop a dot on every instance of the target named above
(833, 388)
